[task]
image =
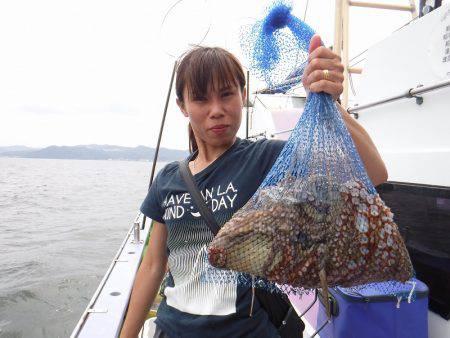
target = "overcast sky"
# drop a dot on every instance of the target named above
(97, 71)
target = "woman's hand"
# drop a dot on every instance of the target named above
(324, 72)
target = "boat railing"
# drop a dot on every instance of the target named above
(105, 311)
(137, 229)
(411, 93)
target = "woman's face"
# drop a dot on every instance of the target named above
(215, 117)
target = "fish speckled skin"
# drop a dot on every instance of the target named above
(342, 230)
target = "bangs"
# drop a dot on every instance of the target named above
(204, 69)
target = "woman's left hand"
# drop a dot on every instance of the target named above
(324, 72)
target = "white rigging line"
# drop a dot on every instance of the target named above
(165, 18)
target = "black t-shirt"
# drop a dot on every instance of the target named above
(195, 306)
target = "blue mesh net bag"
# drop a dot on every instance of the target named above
(316, 220)
(276, 47)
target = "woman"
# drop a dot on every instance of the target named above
(210, 88)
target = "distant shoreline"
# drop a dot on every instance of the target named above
(94, 152)
(87, 159)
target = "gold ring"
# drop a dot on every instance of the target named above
(326, 74)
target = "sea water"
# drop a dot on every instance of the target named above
(61, 223)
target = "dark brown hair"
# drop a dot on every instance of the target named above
(203, 68)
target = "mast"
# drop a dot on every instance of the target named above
(341, 32)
